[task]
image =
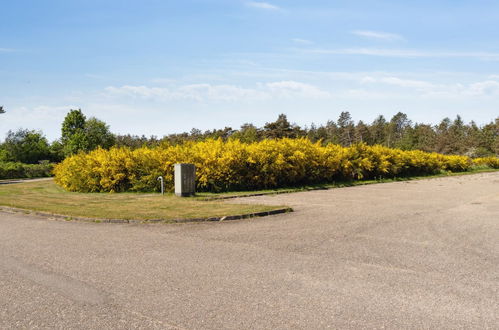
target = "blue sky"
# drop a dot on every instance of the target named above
(159, 67)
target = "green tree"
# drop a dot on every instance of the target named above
(443, 139)
(56, 151)
(26, 146)
(378, 130)
(281, 128)
(332, 132)
(98, 134)
(489, 139)
(362, 133)
(80, 134)
(247, 133)
(1, 109)
(456, 137)
(396, 129)
(424, 138)
(346, 129)
(73, 136)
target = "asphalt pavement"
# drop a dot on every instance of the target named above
(419, 254)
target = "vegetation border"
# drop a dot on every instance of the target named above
(54, 216)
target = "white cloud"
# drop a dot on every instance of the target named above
(193, 92)
(262, 5)
(7, 50)
(293, 88)
(489, 87)
(395, 81)
(139, 91)
(378, 35)
(220, 93)
(227, 93)
(404, 53)
(431, 89)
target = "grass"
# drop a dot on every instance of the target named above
(46, 196)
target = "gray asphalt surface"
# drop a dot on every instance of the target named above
(422, 254)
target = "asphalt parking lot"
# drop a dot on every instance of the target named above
(418, 254)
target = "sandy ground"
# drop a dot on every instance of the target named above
(421, 254)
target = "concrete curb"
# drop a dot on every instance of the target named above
(53, 216)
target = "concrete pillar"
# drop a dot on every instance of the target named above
(185, 180)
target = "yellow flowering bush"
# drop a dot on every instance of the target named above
(232, 165)
(492, 162)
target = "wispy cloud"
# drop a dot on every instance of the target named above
(302, 41)
(7, 50)
(489, 87)
(378, 35)
(428, 88)
(293, 88)
(221, 93)
(193, 92)
(262, 5)
(399, 82)
(404, 53)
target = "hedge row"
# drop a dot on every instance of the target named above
(492, 162)
(14, 170)
(233, 165)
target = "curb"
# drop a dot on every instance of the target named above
(53, 216)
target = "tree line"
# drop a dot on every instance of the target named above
(448, 137)
(81, 134)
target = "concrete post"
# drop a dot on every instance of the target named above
(185, 180)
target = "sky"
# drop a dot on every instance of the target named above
(157, 67)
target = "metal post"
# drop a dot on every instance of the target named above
(160, 178)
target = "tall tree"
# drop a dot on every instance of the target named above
(424, 137)
(457, 137)
(73, 132)
(378, 130)
(281, 128)
(98, 134)
(489, 139)
(362, 133)
(396, 129)
(247, 133)
(26, 146)
(331, 131)
(346, 128)
(443, 140)
(80, 134)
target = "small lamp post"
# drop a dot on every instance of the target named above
(160, 178)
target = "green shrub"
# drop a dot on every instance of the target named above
(16, 170)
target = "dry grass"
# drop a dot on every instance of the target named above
(46, 196)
